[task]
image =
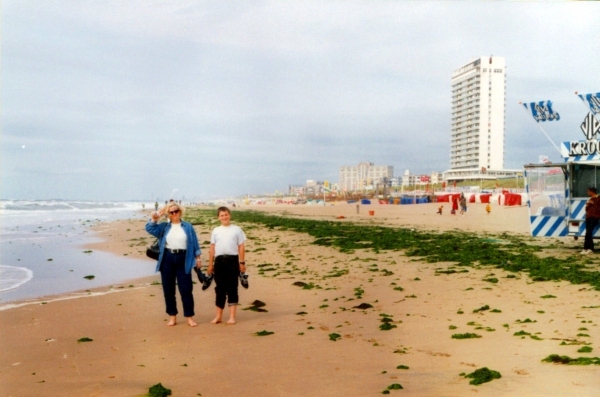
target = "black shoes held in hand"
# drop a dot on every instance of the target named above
(244, 280)
(206, 280)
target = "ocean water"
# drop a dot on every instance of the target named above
(41, 247)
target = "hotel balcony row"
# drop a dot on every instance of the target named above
(474, 106)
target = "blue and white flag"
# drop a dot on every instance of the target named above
(592, 101)
(542, 111)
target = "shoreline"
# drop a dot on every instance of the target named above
(132, 349)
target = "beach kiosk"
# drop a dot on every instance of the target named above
(558, 191)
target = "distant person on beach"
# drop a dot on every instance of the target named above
(592, 218)
(454, 206)
(463, 204)
(226, 262)
(179, 253)
(440, 209)
(156, 206)
(488, 208)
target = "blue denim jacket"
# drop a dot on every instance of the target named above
(193, 248)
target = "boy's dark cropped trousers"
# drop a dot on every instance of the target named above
(227, 271)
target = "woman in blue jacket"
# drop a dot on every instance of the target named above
(179, 253)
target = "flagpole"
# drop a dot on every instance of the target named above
(540, 127)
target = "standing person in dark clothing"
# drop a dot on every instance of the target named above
(592, 218)
(227, 263)
(179, 254)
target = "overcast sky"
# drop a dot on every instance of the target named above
(120, 100)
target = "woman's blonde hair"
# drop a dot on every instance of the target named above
(171, 205)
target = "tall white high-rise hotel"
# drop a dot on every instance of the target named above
(478, 111)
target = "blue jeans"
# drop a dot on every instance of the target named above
(172, 269)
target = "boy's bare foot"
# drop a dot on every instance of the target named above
(216, 320)
(231, 321)
(172, 321)
(191, 322)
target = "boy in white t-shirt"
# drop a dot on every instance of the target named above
(226, 262)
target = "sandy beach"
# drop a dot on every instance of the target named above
(321, 344)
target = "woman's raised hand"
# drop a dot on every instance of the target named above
(156, 215)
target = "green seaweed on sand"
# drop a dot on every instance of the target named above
(337, 273)
(585, 349)
(466, 336)
(402, 367)
(334, 337)
(81, 340)
(558, 359)
(395, 386)
(492, 280)
(387, 326)
(90, 277)
(363, 306)
(264, 333)
(358, 292)
(306, 285)
(514, 254)
(527, 320)
(158, 390)
(574, 342)
(482, 375)
(547, 296)
(482, 308)
(523, 334)
(387, 322)
(257, 306)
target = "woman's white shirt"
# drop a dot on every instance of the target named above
(176, 238)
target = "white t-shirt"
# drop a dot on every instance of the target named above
(176, 238)
(227, 239)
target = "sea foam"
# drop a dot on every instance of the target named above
(12, 277)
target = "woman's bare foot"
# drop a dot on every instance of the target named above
(231, 321)
(172, 321)
(216, 320)
(191, 322)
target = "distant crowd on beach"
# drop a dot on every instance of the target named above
(462, 203)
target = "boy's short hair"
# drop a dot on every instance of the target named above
(593, 190)
(223, 209)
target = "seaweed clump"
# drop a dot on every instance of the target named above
(558, 359)
(393, 386)
(158, 390)
(387, 322)
(257, 306)
(465, 336)
(264, 333)
(482, 375)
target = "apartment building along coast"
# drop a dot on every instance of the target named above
(478, 115)
(364, 176)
